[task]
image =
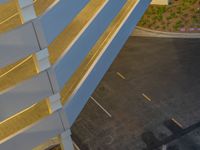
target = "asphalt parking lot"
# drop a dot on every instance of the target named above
(151, 81)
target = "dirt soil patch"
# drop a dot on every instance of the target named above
(179, 16)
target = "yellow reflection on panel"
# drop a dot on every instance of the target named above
(49, 144)
(104, 40)
(10, 16)
(72, 31)
(17, 72)
(23, 119)
(42, 5)
(40, 110)
(24, 69)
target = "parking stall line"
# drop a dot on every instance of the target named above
(76, 146)
(176, 122)
(101, 107)
(146, 97)
(121, 76)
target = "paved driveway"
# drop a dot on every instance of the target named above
(151, 80)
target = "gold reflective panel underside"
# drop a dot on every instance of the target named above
(17, 72)
(50, 143)
(72, 31)
(10, 16)
(35, 113)
(24, 69)
(101, 44)
(42, 5)
(24, 119)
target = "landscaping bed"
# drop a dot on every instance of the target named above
(178, 16)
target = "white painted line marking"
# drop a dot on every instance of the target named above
(146, 97)
(164, 147)
(101, 107)
(121, 76)
(176, 122)
(76, 146)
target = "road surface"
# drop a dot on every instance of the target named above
(151, 81)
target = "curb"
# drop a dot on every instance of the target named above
(140, 31)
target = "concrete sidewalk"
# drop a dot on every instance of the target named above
(144, 32)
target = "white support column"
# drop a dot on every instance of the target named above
(41, 60)
(27, 13)
(26, 9)
(66, 141)
(54, 102)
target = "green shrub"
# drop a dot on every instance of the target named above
(177, 25)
